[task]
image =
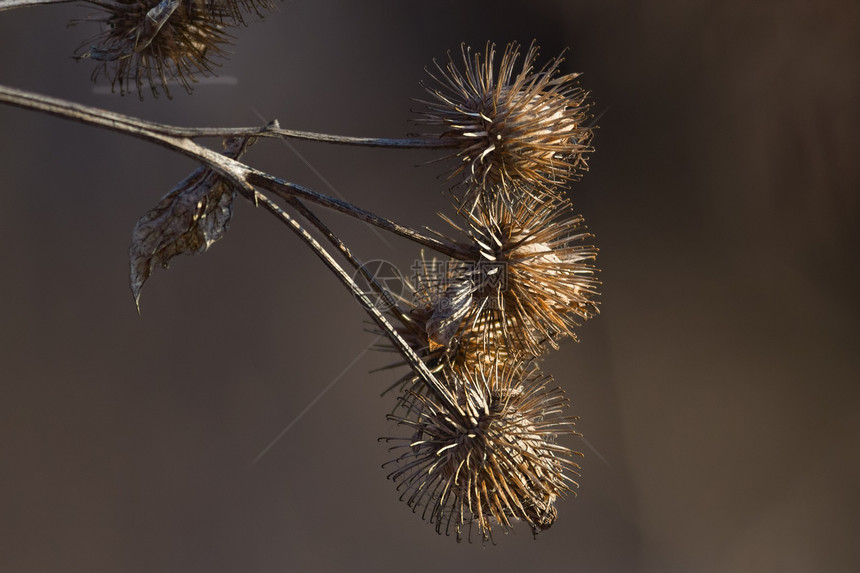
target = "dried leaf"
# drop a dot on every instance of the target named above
(191, 217)
(448, 313)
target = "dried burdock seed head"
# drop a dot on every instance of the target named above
(159, 42)
(492, 462)
(431, 322)
(532, 281)
(512, 129)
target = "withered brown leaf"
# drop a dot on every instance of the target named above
(192, 216)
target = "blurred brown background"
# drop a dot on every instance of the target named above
(719, 385)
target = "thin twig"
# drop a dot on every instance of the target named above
(96, 116)
(11, 4)
(285, 189)
(390, 302)
(406, 351)
(180, 139)
(429, 143)
(246, 178)
(347, 254)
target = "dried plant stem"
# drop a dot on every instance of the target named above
(287, 190)
(391, 304)
(425, 143)
(411, 357)
(96, 116)
(10, 4)
(245, 178)
(347, 254)
(180, 139)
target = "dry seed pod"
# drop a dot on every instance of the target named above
(514, 132)
(157, 42)
(492, 462)
(154, 43)
(532, 281)
(431, 323)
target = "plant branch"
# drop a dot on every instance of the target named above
(180, 139)
(104, 118)
(10, 4)
(286, 190)
(245, 177)
(309, 215)
(84, 114)
(406, 351)
(429, 143)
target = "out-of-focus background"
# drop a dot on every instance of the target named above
(718, 390)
